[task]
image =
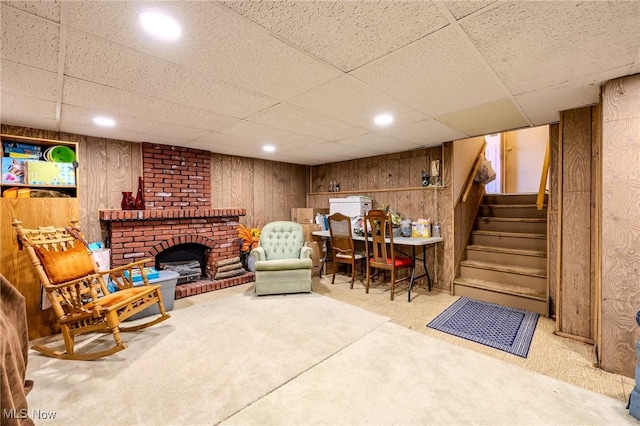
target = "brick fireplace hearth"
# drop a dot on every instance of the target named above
(138, 234)
(177, 193)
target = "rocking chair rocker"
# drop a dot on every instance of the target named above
(78, 293)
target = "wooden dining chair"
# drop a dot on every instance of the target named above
(341, 238)
(382, 254)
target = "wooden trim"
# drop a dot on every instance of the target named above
(543, 177)
(476, 166)
(559, 229)
(596, 223)
(503, 165)
(572, 337)
(28, 138)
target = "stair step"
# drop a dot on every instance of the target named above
(501, 288)
(512, 224)
(513, 219)
(512, 269)
(513, 240)
(510, 234)
(512, 210)
(521, 252)
(507, 256)
(511, 206)
(520, 198)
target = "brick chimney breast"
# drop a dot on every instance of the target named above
(176, 177)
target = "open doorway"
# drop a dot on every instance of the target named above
(493, 153)
(518, 158)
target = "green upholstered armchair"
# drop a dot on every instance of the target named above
(283, 262)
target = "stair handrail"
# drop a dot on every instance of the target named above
(476, 166)
(543, 178)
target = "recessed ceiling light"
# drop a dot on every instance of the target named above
(104, 121)
(159, 25)
(269, 148)
(383, 119)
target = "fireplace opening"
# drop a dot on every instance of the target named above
(189, 260)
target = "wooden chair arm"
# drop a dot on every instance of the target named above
(119, 278)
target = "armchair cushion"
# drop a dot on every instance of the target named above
(67, 265)
(283, 264)
(282, 240)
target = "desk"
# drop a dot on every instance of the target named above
(400, 241)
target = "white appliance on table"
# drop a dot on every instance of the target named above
(352, 206)
(355, 206)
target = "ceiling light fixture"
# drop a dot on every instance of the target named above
(159, 25)
(383, 119)
(269, 148)
(104, 121)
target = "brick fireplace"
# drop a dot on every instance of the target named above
(177, 212)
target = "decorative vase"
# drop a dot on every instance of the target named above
(139, 203)
(127, 203)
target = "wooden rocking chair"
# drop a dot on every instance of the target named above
(78, 293)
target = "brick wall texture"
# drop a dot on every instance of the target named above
(177, 189)
(176, 177)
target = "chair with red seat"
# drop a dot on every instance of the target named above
(382, 254)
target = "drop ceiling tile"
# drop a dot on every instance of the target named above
(303, 156)
(28, 81)
(215, 42)
(532, 45)
(543, 106)
(299, 157)
(414, 76)
(130, 135)
(265, 134)
(46, 9)
(347, 34)
(494, 117)
(351, 101)
(425, 133)
(381, 143)
(19, 110)
(28, 39)
(129, 70)
(299, 120)
(218, 149)
(74, 115)
(110, 100)
(347, 151)
(460, 9)
(227, 143)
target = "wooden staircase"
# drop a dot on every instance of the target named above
(506, 259)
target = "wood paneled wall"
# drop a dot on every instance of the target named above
(16, 265)
(552, 218)
(576, 292)
(620, 224)
(267, 189)
(394, 180)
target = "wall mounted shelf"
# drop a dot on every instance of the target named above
(368, 191)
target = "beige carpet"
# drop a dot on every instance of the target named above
(561, 358)
(231, 357)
